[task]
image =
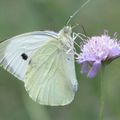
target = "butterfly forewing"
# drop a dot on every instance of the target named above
(15, 53)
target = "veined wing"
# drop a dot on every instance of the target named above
(15, 53)
(48, 79)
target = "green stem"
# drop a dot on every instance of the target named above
(102, 93)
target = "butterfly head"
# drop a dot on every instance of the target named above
(66, 31)
(66, 39)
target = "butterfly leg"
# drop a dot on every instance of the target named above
(77, 35)
(72, 49)
(69, 51)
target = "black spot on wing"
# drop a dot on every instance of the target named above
(24, 56)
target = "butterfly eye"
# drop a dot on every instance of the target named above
(24, 56)
(67, 29)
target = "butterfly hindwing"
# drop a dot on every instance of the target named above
(47, 80)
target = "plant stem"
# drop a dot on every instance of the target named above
(102, 93)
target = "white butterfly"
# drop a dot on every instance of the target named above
(44, 61)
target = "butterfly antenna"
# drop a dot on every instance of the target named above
(75, 26)
(84, 31)
(76, 12)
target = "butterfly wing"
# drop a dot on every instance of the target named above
(15, 53)
(48, 78)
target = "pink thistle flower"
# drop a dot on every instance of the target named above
(95, 51)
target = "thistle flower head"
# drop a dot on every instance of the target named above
(95, 51)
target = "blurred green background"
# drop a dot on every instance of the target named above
(20, 16)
